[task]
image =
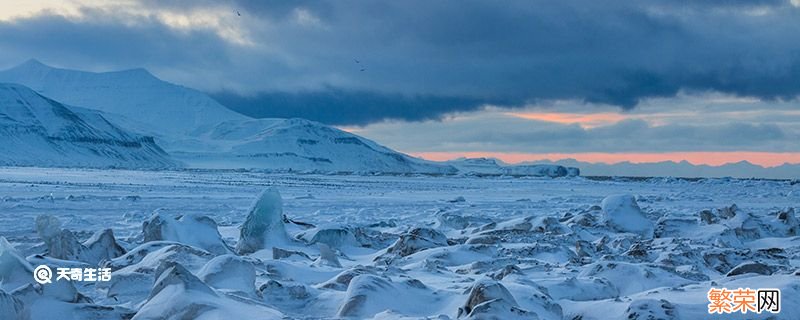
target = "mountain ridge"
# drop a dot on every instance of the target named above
(134, 97)
(218, 137)
(38, 130)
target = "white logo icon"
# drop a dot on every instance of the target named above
(42, 274)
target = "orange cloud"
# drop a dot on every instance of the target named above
(766, 159)
(583, 119)
(354, 130)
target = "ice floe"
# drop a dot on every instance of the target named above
(610, 253)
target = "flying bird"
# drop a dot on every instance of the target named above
(238, 14)
(359, 62)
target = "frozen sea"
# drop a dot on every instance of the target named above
(523, 241)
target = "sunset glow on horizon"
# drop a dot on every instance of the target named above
(765, 159)
(585, 120)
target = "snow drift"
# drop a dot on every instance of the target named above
(622, 213)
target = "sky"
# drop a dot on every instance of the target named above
(709, 81)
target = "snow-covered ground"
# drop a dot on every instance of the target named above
(391, 247)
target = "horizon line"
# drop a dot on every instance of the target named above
(696, 158)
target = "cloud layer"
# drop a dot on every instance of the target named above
(468, 77)
(425, 59)
(709, 123)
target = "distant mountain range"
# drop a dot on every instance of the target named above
(193, 129)
(59, 117)
(200, 132)
(742, 169)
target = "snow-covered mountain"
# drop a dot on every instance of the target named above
(38, 131)
(145, 103)
(301, 145)
(203, 133)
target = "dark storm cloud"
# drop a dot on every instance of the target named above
(341, 107)
(424, 59)
(614, 53)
